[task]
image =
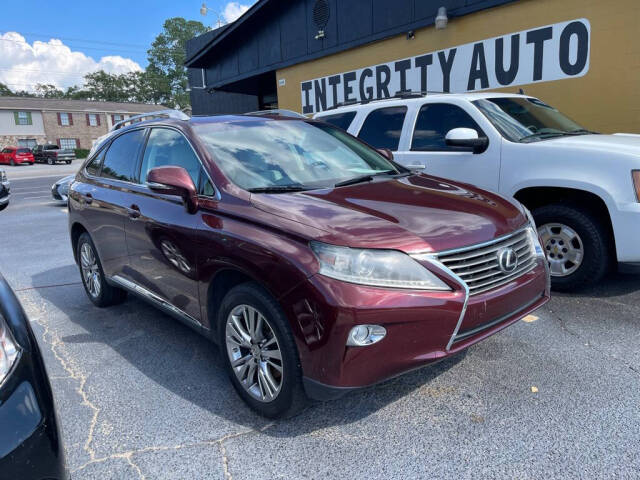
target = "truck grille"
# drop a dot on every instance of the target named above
(479, 266)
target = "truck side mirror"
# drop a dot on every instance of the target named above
(466, 138)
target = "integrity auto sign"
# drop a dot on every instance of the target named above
(542, 54)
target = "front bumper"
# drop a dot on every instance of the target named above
(4, 193)
(422, 327)
(626, 228)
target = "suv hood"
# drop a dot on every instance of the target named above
(620, 143)
(415, 213)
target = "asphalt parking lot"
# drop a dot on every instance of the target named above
(139, 395)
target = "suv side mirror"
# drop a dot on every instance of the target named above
(174, 181)
(466, 138)
(386, 153)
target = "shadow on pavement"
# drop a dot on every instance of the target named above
(185, 363)
(613, 285)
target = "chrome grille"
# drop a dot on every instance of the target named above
(478, 265)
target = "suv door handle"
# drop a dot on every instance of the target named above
(134, 212)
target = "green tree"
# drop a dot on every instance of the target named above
(166, 59)
(5, 91)
(48, 91)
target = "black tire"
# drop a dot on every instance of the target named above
(108, 295)
(13, 163)
(50, 161)
(2, 207)
(68, 162)
(595, 238)
(291, 397)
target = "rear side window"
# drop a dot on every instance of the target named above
(23, 150)
(121, 159)
(167, 147)
(340, 120)
(434, 122)
(382, 127)
(93, 167)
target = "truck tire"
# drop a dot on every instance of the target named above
(576, 243)
(68, 162)
(50, 161)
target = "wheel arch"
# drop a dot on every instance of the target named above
(533, 197)
(77, 229)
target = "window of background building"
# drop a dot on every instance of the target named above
(65, 119)
(116, 117)
(382, 127)
(340, 120)
(120, 160)
(93, 120)
(27, 142)
(68, 143)
(22, 118)
(434, 122)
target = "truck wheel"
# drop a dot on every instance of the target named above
(49, 161)
(259, 352)
(576, 244)
(68, 162)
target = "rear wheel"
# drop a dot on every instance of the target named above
(2, 207)
(68, 162)
(259, 352)
(13, 163)
(576, 244)
(49, 161)
(98, 290)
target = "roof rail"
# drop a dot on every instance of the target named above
(277, 111)
(402, 94)
(176, 114)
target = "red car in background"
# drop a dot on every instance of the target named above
(16, 156)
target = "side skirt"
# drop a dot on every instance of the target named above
(161, 303)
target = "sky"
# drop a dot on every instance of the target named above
(58, 42)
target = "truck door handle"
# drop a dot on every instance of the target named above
(88, 198)
(134, 212)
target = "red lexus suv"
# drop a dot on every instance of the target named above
(316, 263)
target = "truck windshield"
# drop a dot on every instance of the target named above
(269, 155)
(522, 119)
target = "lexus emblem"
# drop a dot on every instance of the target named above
(507, 260)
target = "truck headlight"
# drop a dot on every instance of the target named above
(379, 268)
(635, 174)
(8, 350)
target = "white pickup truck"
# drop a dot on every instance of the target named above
(583, 188)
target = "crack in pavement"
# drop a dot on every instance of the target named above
(128, 455)
(26, 289)
(589, 344)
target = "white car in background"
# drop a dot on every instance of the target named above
(583, 188)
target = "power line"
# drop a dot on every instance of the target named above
(86, 40)
(80, 47)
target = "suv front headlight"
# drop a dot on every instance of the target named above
(378, 268)
(8, 350)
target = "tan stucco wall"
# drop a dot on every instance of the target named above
(606, 99)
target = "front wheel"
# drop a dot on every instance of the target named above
(68, 162)
(13, 163)
(49, 161)
(2, 207)
(98, 290)
(259, 352)
(576, 244)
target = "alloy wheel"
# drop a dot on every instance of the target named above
(90, 270)
(564, 248)
(254, 353)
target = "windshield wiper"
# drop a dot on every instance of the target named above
(542, 135)
(582, 131)
(278, 189)
(363, 178)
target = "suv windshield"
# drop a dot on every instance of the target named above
(286, 155)
(522, 119)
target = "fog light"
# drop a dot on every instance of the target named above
(363, 335)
